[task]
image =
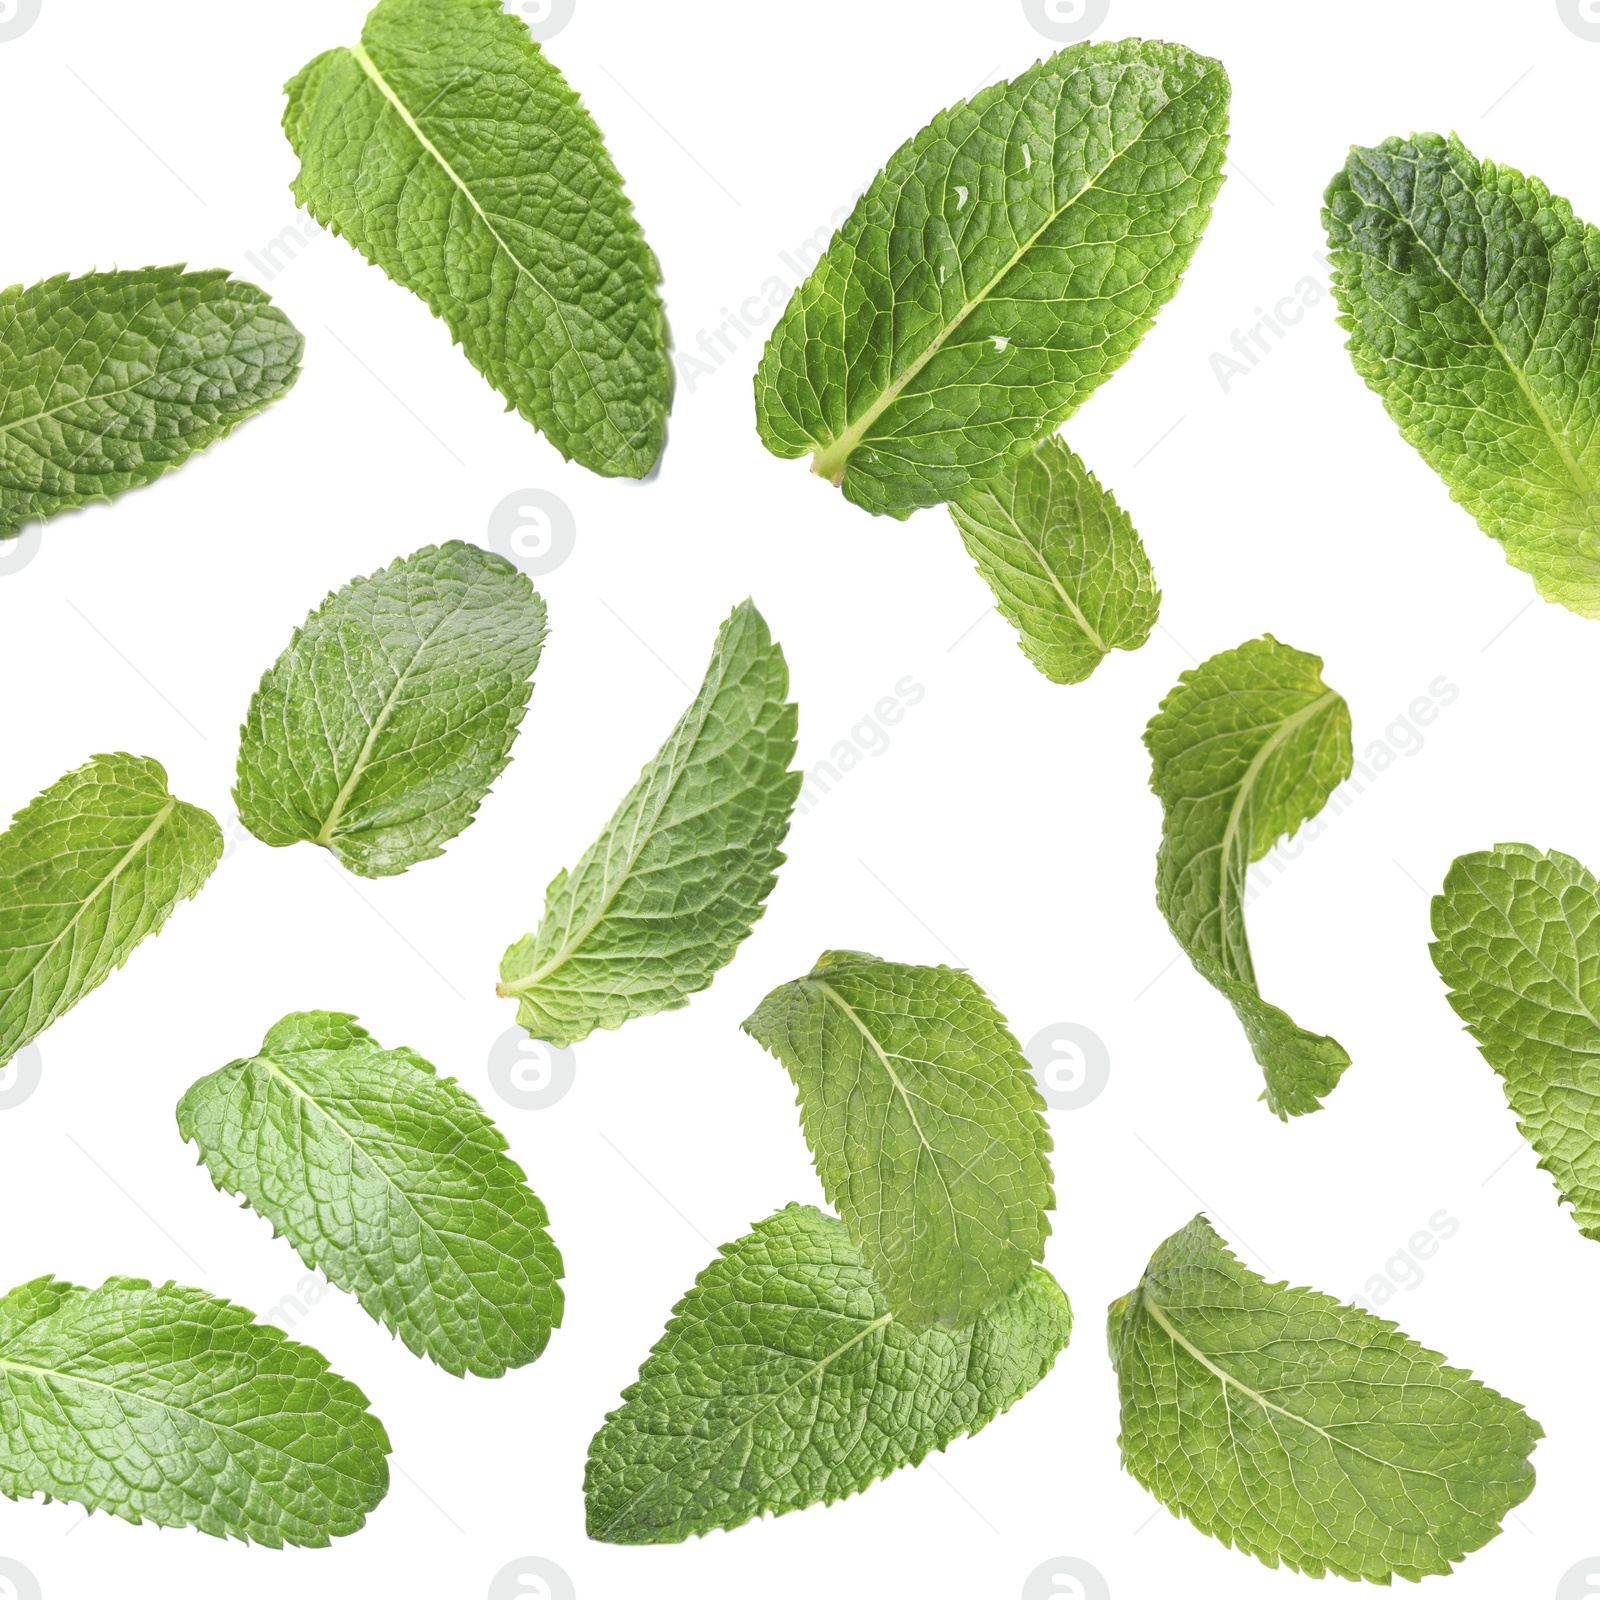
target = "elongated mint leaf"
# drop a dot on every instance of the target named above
(1306, 1432)
(784, 1380)
(392, 1181)
(87, 870)
(1064, 561)
(448, 149)
(111, 379)
(382, 726)
(672, 887)
(171, 1406)
(1246, 748)
(999, 269)
(926, 1126)
(1469, 293)
(1518, 944)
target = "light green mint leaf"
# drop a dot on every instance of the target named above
(392, 1182)
(926, 1126)
(661, 900)
(997, 271)
(111, 379)
(87, 870)
(1306, 1432)
(1518, 943)
(448, 149)
(171, 1406)
(1246, 748)
(382, 726)
(1469, 293)
(1064, 561)
(784, 1380)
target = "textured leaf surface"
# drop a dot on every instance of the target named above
(1004, 263)
(382, 726)
(111, 379)
(87, 870)
(1472, 298)
(448, 149)
(1518, 943)
(662, 899)
(1303, 1431)
(1064, 561)
(171, 1406)
(926, 1126)
(784, 1380)
(392, 1181)
(1246, 748)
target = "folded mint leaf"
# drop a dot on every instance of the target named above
(88, 869)
(661, 900)
(1518, 944)
(1305, 1432)
(392, 1182)
(1469, 292)
(1246, 748)
(926, 1126)
(171, 1406)
(449, 150)
(997, 271)
(381, 727)
(783, 1380)
(111, 379)
(1066, 566)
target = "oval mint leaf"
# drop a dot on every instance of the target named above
(783, 1380)
(1518, 944)
(392, 1182)
(1306, 1432)
(88, 869)
(171, 1406)
(1245, 749)
(1000, 268)
(1063, 559)
(926, 1126)
(1470, 296)
(394, 708)
(448, 149)
(111, 379)
(663, 898)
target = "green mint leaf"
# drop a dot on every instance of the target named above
(1248, 746)
(925, 1124)
(784, 1380)
(171, 1406)
(1063, 559)
(87, 870)
(449, 150)
(392, 1182)
(382, 726)
(1002, 266)
(1468, 292)
(1518, 943)
(1306, 1432)
(662, 899)
(111, 379)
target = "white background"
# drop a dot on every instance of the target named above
(1008, 826)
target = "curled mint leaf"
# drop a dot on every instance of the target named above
(87, 869)
(1245, 749)
(784, 1380)
(1305, 1432)
(1003, 264)
(392, 1181)
(449, 150)
(111, 379)
(381, 727)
